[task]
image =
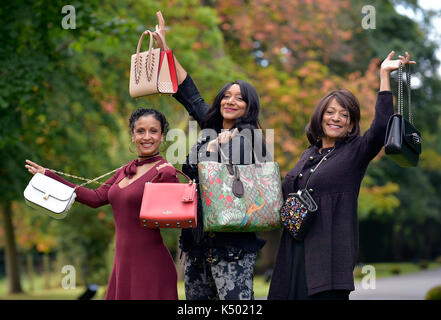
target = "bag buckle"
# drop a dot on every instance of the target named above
(416, 139)
(46, 196)
(188, 195)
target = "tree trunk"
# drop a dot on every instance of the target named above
(397, 241)
(46, 271)
(30, 271)
(11, 255)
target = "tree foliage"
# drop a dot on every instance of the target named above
(64, 98)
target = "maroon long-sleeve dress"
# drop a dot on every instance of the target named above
(143, 268)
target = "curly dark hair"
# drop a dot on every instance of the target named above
(143, 112)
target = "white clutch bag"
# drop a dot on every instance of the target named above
(49, 196)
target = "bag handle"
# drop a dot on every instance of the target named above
(237, 188)
(400, 91)
(178, 171)
(150, 57)
(224, 157)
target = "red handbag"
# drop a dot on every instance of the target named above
(169, 205)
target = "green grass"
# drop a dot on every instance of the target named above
(260, 286)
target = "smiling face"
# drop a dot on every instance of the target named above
(336, 123)
(147, 135)
(232, 105)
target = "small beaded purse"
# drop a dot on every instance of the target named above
(299, 208)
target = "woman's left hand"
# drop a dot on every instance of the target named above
(390, 65)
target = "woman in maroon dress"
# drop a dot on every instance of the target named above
(143, 267)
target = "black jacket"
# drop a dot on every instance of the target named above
(195, 241)
(331, 244)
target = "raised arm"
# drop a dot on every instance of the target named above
(162, 43)
(390, 65)
(373, 139)
(188, 94)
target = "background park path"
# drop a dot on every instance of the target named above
(401, 287)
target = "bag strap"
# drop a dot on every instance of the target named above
(224, 157)
(400, 91)
(150, 57)
(88, 180)
(316, 167)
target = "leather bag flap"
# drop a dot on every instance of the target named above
(51, 187)
(412, 137)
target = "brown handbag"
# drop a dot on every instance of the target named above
(169, 205)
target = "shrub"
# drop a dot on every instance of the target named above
(423, 264)
(434, 293)
(438, 260)
(395, 270)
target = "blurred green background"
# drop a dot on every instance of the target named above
(64, 103)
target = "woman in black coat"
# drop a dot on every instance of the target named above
(321, 266)
(218, 265)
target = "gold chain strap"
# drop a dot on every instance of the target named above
(88, 180)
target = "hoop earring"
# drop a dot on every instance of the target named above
(130, 147)
(163, 146)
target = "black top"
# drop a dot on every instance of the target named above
(195, 241)
(331, 244)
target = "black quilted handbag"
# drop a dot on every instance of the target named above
(403, 140)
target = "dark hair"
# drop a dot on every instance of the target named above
(214, 119)
(314, 130)
(144, 112)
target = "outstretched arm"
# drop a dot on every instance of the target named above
(92, 198)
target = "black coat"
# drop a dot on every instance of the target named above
(331, 244)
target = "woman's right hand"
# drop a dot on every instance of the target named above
(159, 35)
(34, 168)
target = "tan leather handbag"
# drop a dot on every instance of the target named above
(152, 71)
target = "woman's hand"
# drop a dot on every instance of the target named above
(159, 35)
(390, 65)
(223, 137)
(34, 168)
